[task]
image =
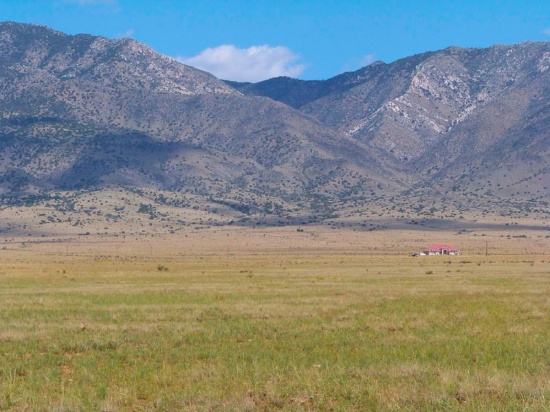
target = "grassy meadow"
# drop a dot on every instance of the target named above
(276, 331)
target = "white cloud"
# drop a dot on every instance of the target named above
(253, 64)
(358, 63)
(547, 32)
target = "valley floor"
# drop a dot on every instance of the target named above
(295, 318)
(292, 240)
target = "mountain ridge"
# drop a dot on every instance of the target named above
(84, 113)
(446, 108)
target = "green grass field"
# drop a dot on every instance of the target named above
(260, 333)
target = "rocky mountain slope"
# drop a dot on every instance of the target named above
(410, 106)
(473, 122)
(80, 112)
(438, 134)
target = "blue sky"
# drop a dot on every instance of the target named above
(254, 40)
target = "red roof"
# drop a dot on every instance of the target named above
(440, 246)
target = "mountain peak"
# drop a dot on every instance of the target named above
(462, 129)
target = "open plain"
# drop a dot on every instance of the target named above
(295, 318)
(172, 241)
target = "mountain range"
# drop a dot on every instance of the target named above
(446, 134)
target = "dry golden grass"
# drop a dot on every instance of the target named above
(233, 240)
(276, 320)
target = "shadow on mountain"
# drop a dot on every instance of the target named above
(127, 160)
